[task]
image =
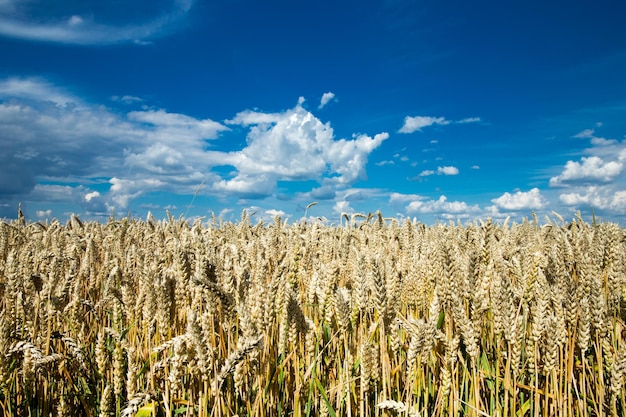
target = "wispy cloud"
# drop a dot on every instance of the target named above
(37, 90)
(73, 25)
(416, 123)
(595, 140)
(127, 99)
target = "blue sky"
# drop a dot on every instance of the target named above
(433, 110)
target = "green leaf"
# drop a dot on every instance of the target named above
(180, 410)
(329, 407)
(147, 410)
(440, 320)
(525, 407)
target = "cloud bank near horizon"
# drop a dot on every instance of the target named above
(53, 139)
(59, 148)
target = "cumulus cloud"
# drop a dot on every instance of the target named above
(416, 123)
(449, 170)
(49, 194)
(293, 145)
(46, 132)
(600, 197)
(44, 214)
(399, 198)
(596, 180)
(36, 21)
(520, 200)
(591, 169)
(326, 98)
(441, 206)
(413, 204)
(342, 207)
(274, 212)
(446, 170)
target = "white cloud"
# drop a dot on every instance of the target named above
(36, 89)
(124, 190)
(127, 99)
(90, 196)
(600, 197)
(247, 186)
(383, 163)
(44, 214)
(446, 170)
(32, 20)
(176, 128)
(572, 199)
(290, 146)
(403, 198)
(596, 180)
(273, 213)
(595, 140)
(342, 207)
(349, 157)
(416, 123)
(585, 134)
(450, 170)
(75, 21)
(592, 169)
(602, 141)
(470, 120)
(618, 202)
(326, 98)
(412, 204)
(442, 206)
(46, 132)
(520, 200)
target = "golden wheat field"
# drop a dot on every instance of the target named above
(376, 317)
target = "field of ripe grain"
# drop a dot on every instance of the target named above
(378, 318)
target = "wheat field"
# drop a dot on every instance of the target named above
(375, 317)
